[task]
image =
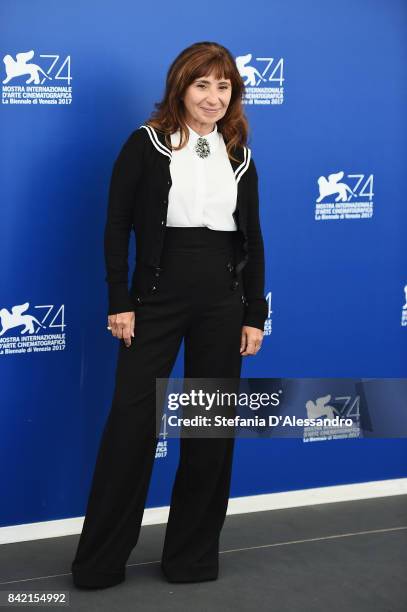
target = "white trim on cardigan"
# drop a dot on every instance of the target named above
(240, 170)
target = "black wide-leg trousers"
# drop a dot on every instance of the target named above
(196, 300)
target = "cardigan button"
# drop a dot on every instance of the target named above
(153, 288)
(235, 284)
(230, 266)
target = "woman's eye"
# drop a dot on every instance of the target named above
(203, 85)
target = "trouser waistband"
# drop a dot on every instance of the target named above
(196, 238)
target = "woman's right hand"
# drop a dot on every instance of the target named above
(122, 326)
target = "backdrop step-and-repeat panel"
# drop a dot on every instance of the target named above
(325, 98)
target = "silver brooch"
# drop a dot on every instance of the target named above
(202, 147)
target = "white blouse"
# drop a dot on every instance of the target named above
(203, 190)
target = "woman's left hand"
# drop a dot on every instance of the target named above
(252, 338)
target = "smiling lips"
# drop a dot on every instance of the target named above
(208, 110)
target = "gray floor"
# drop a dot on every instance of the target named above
(348, 556)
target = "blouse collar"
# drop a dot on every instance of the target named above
(212, 138)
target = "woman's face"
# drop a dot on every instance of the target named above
(206, 101)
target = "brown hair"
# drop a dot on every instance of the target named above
(194, 62)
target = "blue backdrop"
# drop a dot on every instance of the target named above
(326, 99)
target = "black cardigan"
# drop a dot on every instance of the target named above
(138, 200)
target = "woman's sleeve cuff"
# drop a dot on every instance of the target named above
(256, 313)
(119, 298)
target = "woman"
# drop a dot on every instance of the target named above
(186, 182)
